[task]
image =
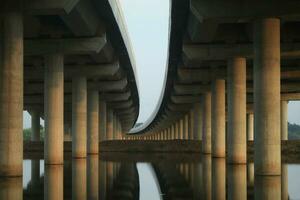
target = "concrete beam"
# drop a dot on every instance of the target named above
(185, 99)
(237, 11)
(194, 89)
(224, 51)
(49, 7)
(80, 46)
(101, 86)
(90, 71)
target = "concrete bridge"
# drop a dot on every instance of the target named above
(66, 62)
(233, 67)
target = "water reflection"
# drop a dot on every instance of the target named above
(180, 178)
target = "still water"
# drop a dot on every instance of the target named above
(128, 177)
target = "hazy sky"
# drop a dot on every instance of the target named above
(148, 23)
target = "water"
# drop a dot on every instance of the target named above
(149, 177)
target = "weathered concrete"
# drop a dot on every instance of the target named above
(93, 122)
(35, 125)
(53, 182)
(102, 121)
(284, 119)
(54, 109)
(236, 94)
(11, 94)
(267, 187)
(11, 188)
(206, 137)
(191, 124)
(218, 118)
(250, 125)
(182, 134)
(79, 117)
(186, 128)
(109, 124)
(267, 159)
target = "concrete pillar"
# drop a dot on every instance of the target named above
(67, 132)
(206, 172)
(236, 94)
(115, 126)
(191, 124)
(186, 127)
(79, 179)
(197, 121)
(267, 155)
(35, 125)
(53, 182)
(181, 129)
(93, 122)
(219, 178)
(284, 120)
(102, 120)
(206, 137)
(176, 127)
(79, 117)
(54, 108)
(237, 182)
(93, 177)
(250, 125)
(11, 94)
(109, 124)
(218, 118)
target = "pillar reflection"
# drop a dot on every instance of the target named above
(53, 182)
(237, 182)
(79, 179)
(267, 187)
(11, 188)
(284, 182)
(206, 172)
(102, 180)
(92, 177)
(218, 179)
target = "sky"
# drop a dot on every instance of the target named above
(148, 29)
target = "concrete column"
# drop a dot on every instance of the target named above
(237, 182)
(177, 133)
(109, 124)
(191, 124)
(102, 121)
(186, 127)
(197, 121)
(206, 137)
(93, 177)
(250, 174)
(67, 132)
(53, 182)
(218, 118)
(35, 125)
(236, 95)
(284, 182)
(35, 174)
(11, 93)
(115, 126)
(102, 180)
(79, 117)
(11, 188)
(79, 179)
(93, 122)
(284, 120)
(267, 155)
(250, 125)
(54, 108)
(181, 129)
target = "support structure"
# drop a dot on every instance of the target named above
(250, 125)
(11, 94)
(35, 125)
(267, 155)
(218, 118)
(236, 136)
(79, 117)
(92, 122)
(54, 109)
(284, 120)
(206, 137)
